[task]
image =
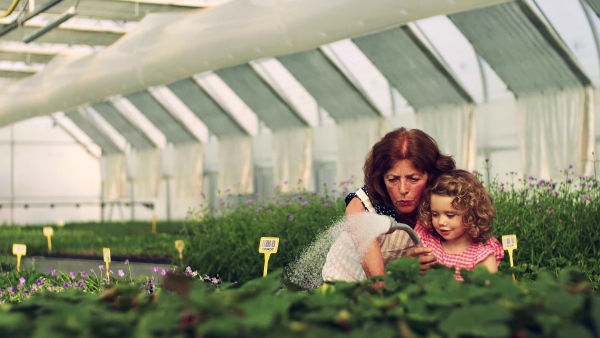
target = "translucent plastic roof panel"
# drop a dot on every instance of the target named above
(578, 37)
(595, 5)
(88, 127)
(332, 90)
(130, 132)
(419, 75)
(260, 97)
(205, 108)
(14, 74)
(161, 118)
(59, 35)
(523, 49)
(20, 57)
(105, 9)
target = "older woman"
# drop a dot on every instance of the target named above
(397, 171)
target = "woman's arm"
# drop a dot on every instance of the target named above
(372, 261)
(490, 264)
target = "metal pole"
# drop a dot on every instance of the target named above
(484, 86)
(168, 197)
(101, 200)
(590, 20)
(12, 174)
(132, 192)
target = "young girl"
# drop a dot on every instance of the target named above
(455, 221)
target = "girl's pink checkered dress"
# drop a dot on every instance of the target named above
(467, 260)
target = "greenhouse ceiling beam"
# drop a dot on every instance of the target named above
(174, 131)
(205, 108)
(270, 107)
(16, 23)
(517, 33)
(88, 126)
(75, 138)
(184, 3)
(595, 5)
(182, 113)
(412, 65)
(330, 87)
(245, 120)
(538, 19)
(170, 50)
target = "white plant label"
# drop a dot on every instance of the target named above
(19, 249)
(106, 254)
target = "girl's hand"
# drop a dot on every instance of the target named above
(426, 258)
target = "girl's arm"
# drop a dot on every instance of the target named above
(490, 263)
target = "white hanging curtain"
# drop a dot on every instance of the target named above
(187, 176)
(292, 158)
(148, 171)
(113, 169)
(235, 165)
(556, 129)
(355, 140)
(453, 128)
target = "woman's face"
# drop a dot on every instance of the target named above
(405, 186)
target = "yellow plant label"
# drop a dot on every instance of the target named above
(268, 245)
(19, 249)
(509, 242)
(106, 254)
(179, 245)
(48, 231)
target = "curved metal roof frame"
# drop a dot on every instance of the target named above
(519, 44)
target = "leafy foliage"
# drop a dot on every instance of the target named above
(411, 305)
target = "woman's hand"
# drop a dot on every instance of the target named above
(426, 258)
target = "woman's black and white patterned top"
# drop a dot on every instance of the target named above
(381, 209)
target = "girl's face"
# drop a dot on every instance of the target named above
(446, 220)
(405, 186)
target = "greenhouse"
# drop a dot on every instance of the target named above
(221, 125)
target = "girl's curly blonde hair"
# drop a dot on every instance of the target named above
(470, 198)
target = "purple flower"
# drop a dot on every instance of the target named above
(126, 262)
(164, 272)
(51, 272)
(83, 274)
(300, 197)
(72, 275)
(155, 269)
(92, 270)
(121, 273)
(570, 166)
(325, 205)
(66, 285)
(110, 271)
(250, 201)
(22, 281)
(11, 290)
(305, 203)
(586, 198)
(260, 209)
(101, 267)
(291, 218)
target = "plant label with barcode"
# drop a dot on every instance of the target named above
(268, 244)
(509, 242)
(19, 249)
(48, 231)
(179, 245)
(106, 254)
